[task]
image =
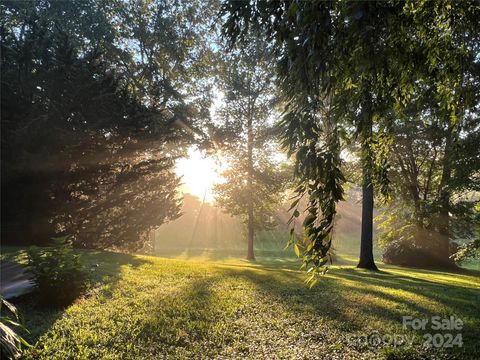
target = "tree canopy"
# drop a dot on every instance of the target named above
(346, 71)
(101, 98)
(93, 94)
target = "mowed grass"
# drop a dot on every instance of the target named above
(142, 307)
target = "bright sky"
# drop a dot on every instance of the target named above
(199, 173)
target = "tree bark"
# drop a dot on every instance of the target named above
(366, 240)
(250, 228)
(250, 235)
(444, 198)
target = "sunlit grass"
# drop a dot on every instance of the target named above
(225, 307)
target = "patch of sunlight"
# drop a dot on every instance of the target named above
(387, 290)
(437, 277)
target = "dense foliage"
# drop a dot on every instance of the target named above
(347, 71)
(57, 272)
(412, 222)
(435, 162)
(93, 94)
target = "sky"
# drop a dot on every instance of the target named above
(200, 172)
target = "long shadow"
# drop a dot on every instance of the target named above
(287, 287)
(182, 319)
(453, 298)
(462, 302)
(102, 267)
(342, 302)
(106, 264)
(429, 289)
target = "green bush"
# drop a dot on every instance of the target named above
(10, 341)
(57, 271)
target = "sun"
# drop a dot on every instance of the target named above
(199, 174)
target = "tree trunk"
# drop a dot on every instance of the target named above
(250, 230)
(366, 240)
(444, 197)
(250, 235)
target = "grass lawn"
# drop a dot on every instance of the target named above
(144, 307)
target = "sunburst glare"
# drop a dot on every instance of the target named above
(199, 174)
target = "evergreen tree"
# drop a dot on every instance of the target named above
(253, 182)
(92, 93)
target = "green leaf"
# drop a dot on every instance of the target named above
(294, 204)
(309, 219)
(296, 249)
(313, 282)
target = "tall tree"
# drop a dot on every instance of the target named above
(325, 86)
(252, 182)
(91, 95)
(450, 74)
(350, 63)
(436, 129)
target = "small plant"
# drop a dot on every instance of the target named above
(57, 271)
(11, 343)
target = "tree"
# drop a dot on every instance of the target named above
(350, 68)
(435, 165)
(423, 148)
(252, 184)
(323, 85)
(450, 74)
(415, 237)
(92, 93)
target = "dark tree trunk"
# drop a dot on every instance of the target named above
(250, 234)
(366, 242)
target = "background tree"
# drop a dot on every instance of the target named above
(414, 230)
(253, 183)
(435, 160)
(92, 93)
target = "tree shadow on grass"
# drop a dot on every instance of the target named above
(421, 298)
(185, 320)
(286, 287)
(106, 264)
(102, 267)
(453, 296)
(354, 300)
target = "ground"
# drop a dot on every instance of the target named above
(141, 307)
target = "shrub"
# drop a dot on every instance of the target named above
(57, 271)
(10, 342)
(410, 253)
